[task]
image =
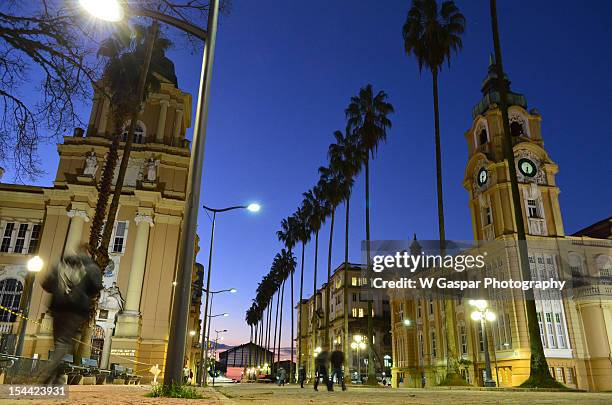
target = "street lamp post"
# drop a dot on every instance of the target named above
(206, 334)
(35, 265)
(483, 314)
(215, 361)
(358, 344)
(113, 11)
(251, 207)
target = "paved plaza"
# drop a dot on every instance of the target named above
(271, 394)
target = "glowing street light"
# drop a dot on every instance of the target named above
(407, 322)
(358, 344)
(483, 314)
(107, 10)
(192, 333)
(252, 208)
(34, 265)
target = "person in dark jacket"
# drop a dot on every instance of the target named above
(302, 375)
(337, 360)
(321, 369)
(72, 283)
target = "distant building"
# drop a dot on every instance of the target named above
(314, 322)
(245, 355)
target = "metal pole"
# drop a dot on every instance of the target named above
(208, 295)
(495, 355)
(488, 380)
(26, 300)
(180, 311)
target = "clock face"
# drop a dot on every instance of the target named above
(483, 176)
(527, 167)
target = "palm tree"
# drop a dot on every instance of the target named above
(344, 158)
(288, 235)
(539, 373)
(302, 235)
(125, 52)
(332, 186)
(431, 33)
(367, 119)
(317, 209)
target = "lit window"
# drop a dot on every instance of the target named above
(354, 281)
(463, 339)
(532, 209)
(488, 216)
(433, 344)
(10, 295)
(360, 312)
(569, 375)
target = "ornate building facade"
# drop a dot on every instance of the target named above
(576, 329)
(134, 311)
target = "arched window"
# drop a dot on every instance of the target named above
(576, 264)
(481, 134)
(516, 128)
(604, 265)
(140, 132)
(10, 295)
(518, 125)
(483, 137)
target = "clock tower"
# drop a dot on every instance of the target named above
(487, 178)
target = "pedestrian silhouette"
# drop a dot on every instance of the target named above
(321, 363)
(72, 283)
(302, 375)
(337, 360)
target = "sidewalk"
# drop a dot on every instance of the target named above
(120, 394)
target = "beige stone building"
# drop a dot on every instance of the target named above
(134, 312)
(358, 305)
(576, 330)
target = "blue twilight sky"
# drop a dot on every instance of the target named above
(283, 74)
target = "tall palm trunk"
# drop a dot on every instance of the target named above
(256, 344)
(371, 368)
(269, 326)
(278, 295)
(315, 319)
(261, 341)
(280, 327)
(250, 345)
(300, 319)
(291, 367)
(327, 290)
(539, 373)
(345, 284)
(453, 375)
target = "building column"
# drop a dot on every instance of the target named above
(161, 122)
(178, 124)
(108, 333)
(75, 231)
(104, 116)
(139, 256)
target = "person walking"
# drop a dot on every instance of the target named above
(321, 369)
(302, 375)
(337, 360)
(282, 376)
(72, 283)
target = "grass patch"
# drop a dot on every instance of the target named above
(175, 391)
